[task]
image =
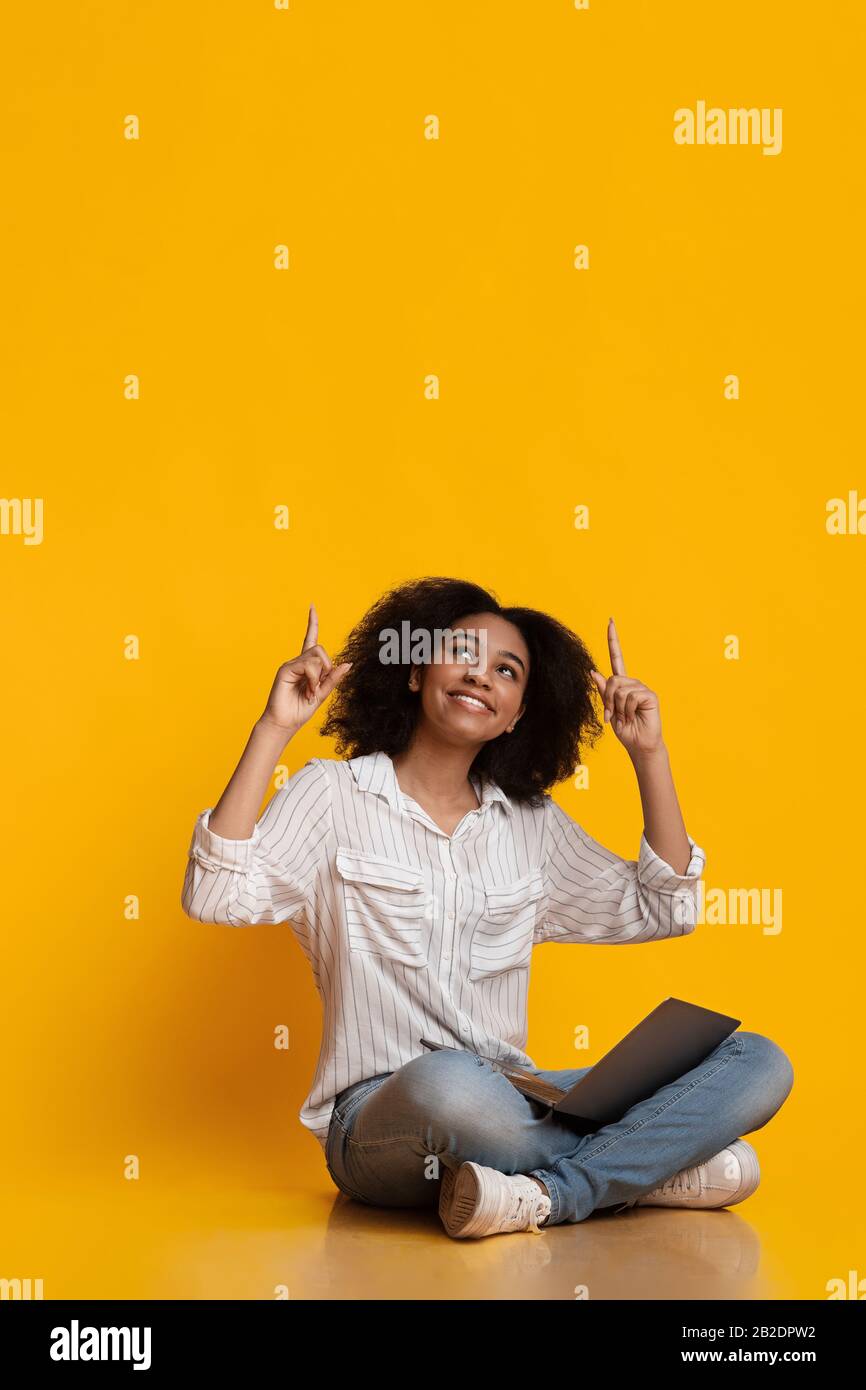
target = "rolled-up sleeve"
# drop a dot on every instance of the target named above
(593, 895)
(269, 877)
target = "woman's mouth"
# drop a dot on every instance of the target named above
(470, 702)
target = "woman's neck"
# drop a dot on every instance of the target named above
(438, 774)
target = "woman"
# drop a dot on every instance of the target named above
(419, 873)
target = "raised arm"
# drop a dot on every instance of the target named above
(243, 872)
(269, 876)
(595, 895)
(632, 710)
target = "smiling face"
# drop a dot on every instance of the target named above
(473, 702)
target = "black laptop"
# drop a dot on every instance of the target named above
(671, 1040)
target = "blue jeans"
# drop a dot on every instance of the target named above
(390, 1134)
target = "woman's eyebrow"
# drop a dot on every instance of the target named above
(513, 656)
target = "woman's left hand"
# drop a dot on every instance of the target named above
(631, 707)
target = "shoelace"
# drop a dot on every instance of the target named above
(529, 1203)
(681, 1182)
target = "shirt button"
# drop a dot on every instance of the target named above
(450, 916)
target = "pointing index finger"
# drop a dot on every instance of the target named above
(617, 665)
(311, 636)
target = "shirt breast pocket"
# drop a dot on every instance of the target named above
(387, 906)
(503, 939)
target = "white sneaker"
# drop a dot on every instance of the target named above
(730, 1176)
(479, 1201)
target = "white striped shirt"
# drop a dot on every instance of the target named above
(412, 933)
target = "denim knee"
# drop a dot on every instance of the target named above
(439, 1079)
(770, 1067)
(446, 1088)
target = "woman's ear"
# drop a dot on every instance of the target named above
(517, 716)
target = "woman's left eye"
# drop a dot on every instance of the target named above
(467, 656)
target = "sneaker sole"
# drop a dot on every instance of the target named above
(459, 1198)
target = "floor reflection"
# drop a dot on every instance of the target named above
(212, 1239)
(653, 1253)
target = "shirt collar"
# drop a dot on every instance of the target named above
(375, 772)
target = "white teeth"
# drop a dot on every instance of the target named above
(470, 700)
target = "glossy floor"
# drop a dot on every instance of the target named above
(233, 1236)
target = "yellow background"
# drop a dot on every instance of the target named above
(306, 388)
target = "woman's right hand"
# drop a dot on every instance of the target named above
(302, 684)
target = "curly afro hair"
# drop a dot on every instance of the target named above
(372, 708)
